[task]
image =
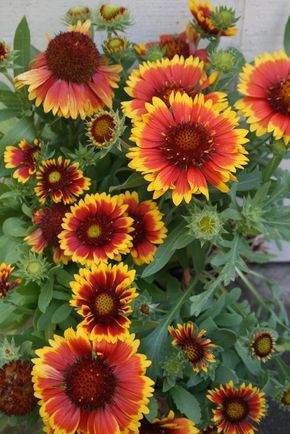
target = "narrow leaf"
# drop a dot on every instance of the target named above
(22, 46)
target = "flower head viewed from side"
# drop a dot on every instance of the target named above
(238, 409)
(96, 229)
(23, 157)
(104, 129)
(185, 147)
(196, 349)
(6, 284)
(91, 387)
(4, 52)
(284, 398)
(149, 229)
(163, 78)
(167, 425)
(110, 17)
(16, 388)
(263, 345)
(266, 86)
(49, 222)
(103, 296)
(60, 181)
(71, 78)
(213, 21)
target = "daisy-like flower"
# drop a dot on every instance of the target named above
(60, 181)
(167, 425)
(16, 388)
(77, 13)
(196, 349)
(238, 409)
(149, 229)
(23, 157)
(266, 86)
(6, 271)
(115, 44)
(49, 222)
(4, 52)
(96, 229)
(163, 78)
(213, 21)
(91, 388)
(110, 17)
(104, 128)
(187, 146)
(263, 345)
(71, 78)
(284, 398)
(103, 296)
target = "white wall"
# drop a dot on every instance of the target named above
(260, 27)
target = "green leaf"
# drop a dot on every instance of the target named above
(133, 181)
(153, 408)
(14, 227)
(8, 114)
(254, 366)
(22, 46)
(223, 337)
(46, 294)
(287, 37)
(186, 403)
(10, 100)
(21, 129)
(223, 375)
(177, 239)
(61, 313)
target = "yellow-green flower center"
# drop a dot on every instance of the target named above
(34, 267)
(262, 345)
(54, 177)
(286, 397)
(235, 409)
(109, 12)
(94, 231)
(105, 303)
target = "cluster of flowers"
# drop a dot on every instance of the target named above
(93, 380)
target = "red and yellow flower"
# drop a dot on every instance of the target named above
(6, 271)
(60, 181)
(16, 388)
(167, 425)
(196, 349)
(49, 222)
(149, 229)
(71, 78)
(203, 14)
(266, 86)
(103, 296)
(165, 77)
(238, 409)
(184, 147)
(97, 229)
(24, 157)
(87, 387)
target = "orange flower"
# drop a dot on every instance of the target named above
(49, 222)
(24, 158)
(237, 408)
(90, 387)
(184, 147)
(196, 349)
(149, 229)
(266, 86)
(61, 181)
(103, 296)
(96, 229)
(5, 273)
(167, 425)
(71, 78)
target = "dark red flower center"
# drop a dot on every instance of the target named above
(192, 350)
(90, 383)
(105, 306)
(102, 128)
(279, 96)
(187, 145)
(3, 51)
(73, 57)
(95, 231)
(235, 409)
(151, 428)
(286, 398)
(16, 388)
(50, 222)
(263, 345)
(139, 234)
(175, 46)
